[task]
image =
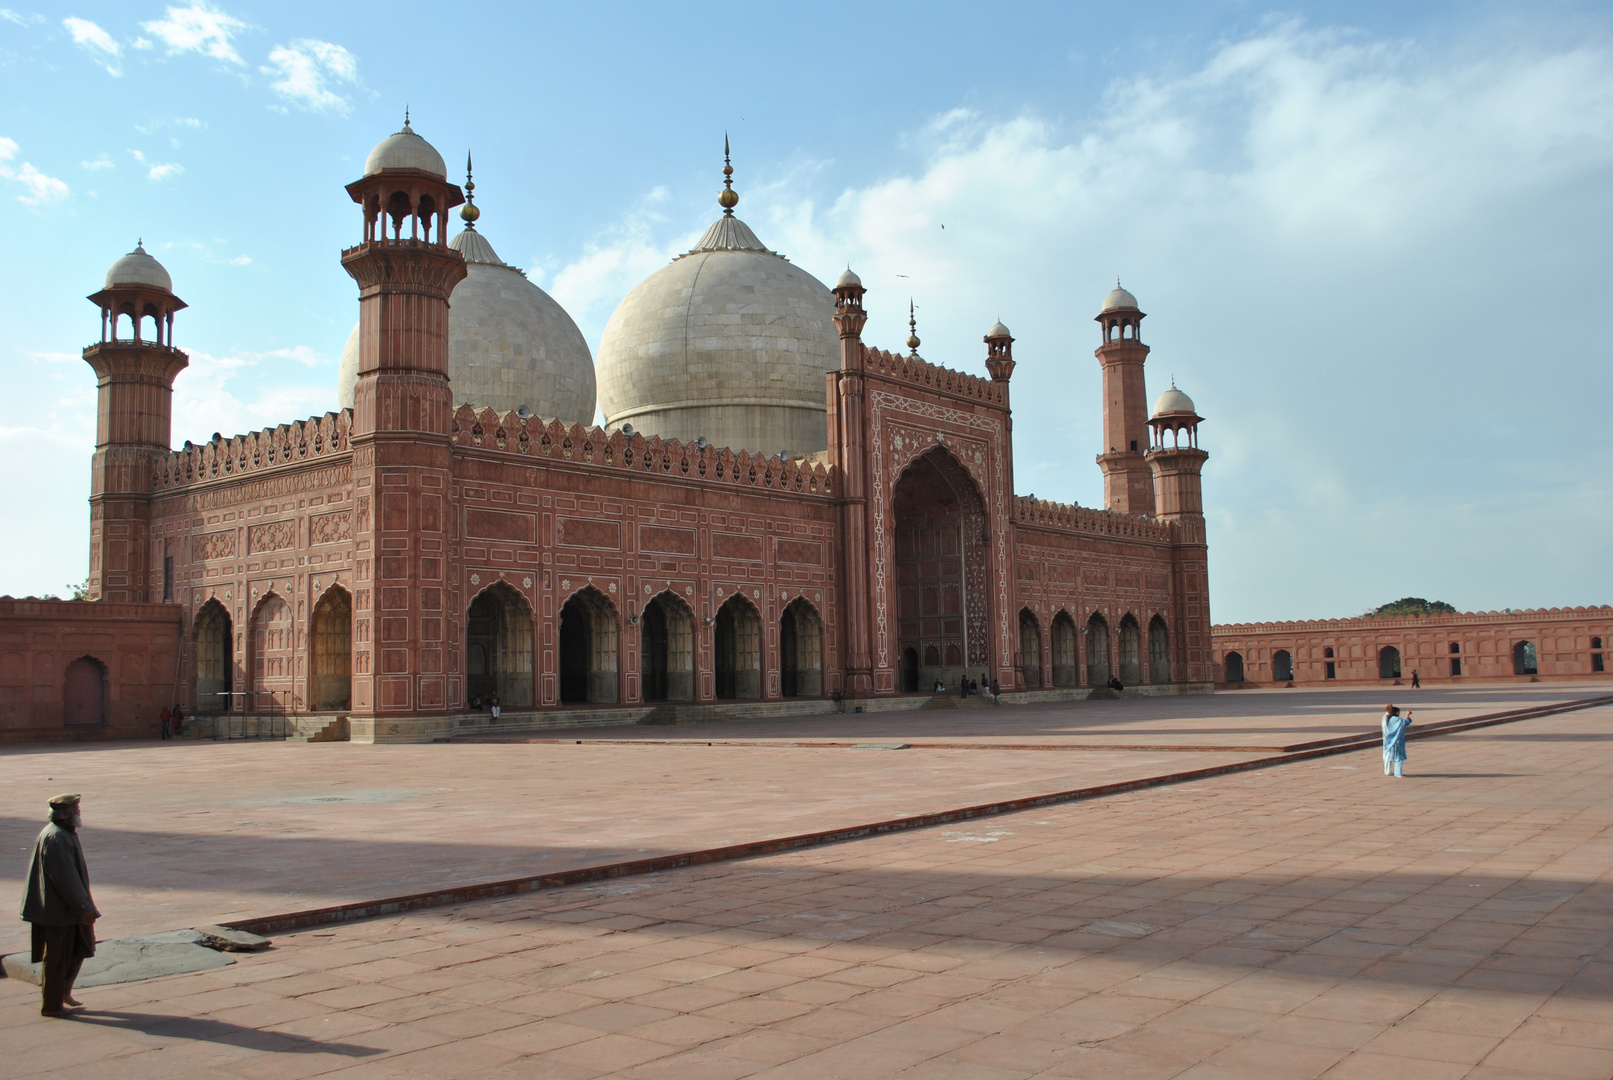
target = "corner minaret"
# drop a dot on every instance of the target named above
(848, 419)
(408, 668)
(1127, 485)
(133, 426)
(1178, 490)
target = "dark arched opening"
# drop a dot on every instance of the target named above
(588, 649)
(1159, 651)
(666, 638)
(1525, 661)
(1282, 666)
(333, 651)
(1065, 670)
(737, 642)
(84, 692)
(1131, 660)
(1097, 650)
(910, 670)
(1232, 668)
(1388, 662)
(498, 649)
(215, 658)
(800, 651)
(941, 553)
(1030, 650)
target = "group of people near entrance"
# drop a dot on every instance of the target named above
(173, 722)
(968, 687)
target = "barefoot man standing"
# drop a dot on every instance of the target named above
(58, 905)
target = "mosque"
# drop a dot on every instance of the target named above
(775, 517)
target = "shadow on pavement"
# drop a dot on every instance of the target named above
(202, 1029)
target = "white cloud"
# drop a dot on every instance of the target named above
(163, 172)
(616, 260)
(247, 392)
(42, 189)
(303, 71)
(93, 39)
(141, 43)
(240, 260)
(199, 28)
(21, 20)
(102, 162)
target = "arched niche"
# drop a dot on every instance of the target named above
(1159, 651)
(331, 687)
(1030, 650)
(1066, 668)
(215, 658)
(589, 649)
(800, 650)
(737, 650)
(666, 640)
(1097, 650)
(498, 649)
(273, 659)
(940, 555)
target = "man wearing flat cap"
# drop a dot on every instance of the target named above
(58, 905)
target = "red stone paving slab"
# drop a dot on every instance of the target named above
(185, 834)
(1184, 931)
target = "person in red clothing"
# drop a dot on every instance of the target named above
(165, 717)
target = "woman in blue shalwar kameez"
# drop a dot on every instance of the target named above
(1394, 738)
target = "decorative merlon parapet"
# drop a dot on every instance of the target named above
(1079, 519)
(531, 436)
(1386, 622)
(276, 447)
(921, 372)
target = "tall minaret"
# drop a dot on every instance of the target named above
(1178, 491)
(133, 426)
(408, 672)
(1127, 486)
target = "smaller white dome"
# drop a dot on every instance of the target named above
(848, 279)
(138, 268)
(405, 150)
(1119, 298)
(998, 330)
(1174, 401)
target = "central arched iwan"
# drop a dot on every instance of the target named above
(941, 551)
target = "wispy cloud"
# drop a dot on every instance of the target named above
(42, 189)
(304, 71)
(97, 42)
(163, 172)
(622, 255)
(199, 28)
(21, 20)
(102, 162)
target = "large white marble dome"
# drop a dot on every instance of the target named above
(730, 341)
(510, 345)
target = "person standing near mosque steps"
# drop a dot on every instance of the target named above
(58, 906)
(1394, 739)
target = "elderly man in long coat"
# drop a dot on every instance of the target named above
(59, 906)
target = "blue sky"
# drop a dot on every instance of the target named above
(1371, 238)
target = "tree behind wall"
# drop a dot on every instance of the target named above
(1411, 605)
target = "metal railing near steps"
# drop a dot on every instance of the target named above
(268, 719)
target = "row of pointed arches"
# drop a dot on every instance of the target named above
(1104, 654)
(500, 648)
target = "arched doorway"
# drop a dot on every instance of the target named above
(666, 637)
(215, 658)
(1097, 650)
(1159, 651)
(333, 651)
(1030, 650)
(800, 638)
(1065, 671)
(1388, 662)
(84, 693)
(274, 656)
(910, 670)
(1131, 652)
(498, 649)
(1232, 668)
(941, 552)
(588, 649)
(1525, 661)
(737, 644)
(1282, 666)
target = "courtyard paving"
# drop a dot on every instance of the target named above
(1311, 919)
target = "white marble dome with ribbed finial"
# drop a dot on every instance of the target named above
(730, 341)
(405, 150)
(1174, 402)
(510, 345)
(1118, 299)
(138, 268)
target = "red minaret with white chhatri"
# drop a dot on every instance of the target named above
(1178, 490)
(133, 426)
(1128, 487)
(408, 668)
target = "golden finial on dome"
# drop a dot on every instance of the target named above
(728, 198)
(912, 328)
(469, 212)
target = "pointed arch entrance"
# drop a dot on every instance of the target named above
(215, 658)
(1065, 671)
(1131, 661)
(1030, 650)
(800, 638)
(1159, 651)
(498, 649)
(1097, 650)
(84, 693)
(274, 656)
(333, 651)
(737, 641)
(941, 551)
(666, 640)
(588, 649)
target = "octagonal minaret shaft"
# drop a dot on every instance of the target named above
(1128, 484)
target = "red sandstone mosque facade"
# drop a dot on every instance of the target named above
(399, 561)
